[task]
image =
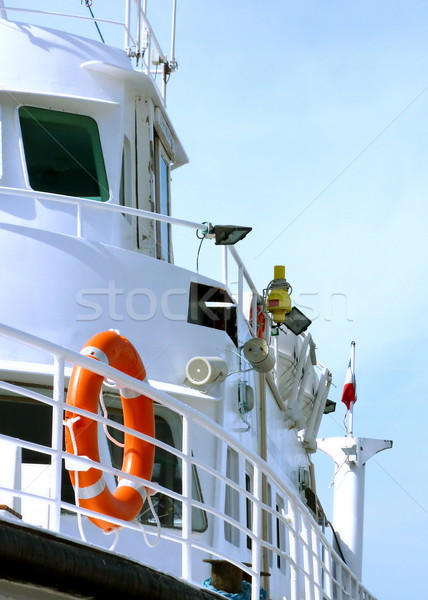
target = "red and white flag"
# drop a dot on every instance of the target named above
(349, 394)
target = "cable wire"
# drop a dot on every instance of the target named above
(88, 4)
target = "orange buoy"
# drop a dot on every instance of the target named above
(261, 319)
(82, 438)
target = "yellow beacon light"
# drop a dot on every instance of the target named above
(278, 300)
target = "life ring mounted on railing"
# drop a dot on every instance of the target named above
(82, 439)
(261, 319)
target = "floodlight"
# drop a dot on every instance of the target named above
(330, 407)
(227, 235)
(296, 321)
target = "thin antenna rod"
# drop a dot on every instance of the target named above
(3, 14)
(88, 4)
(351, 409)
(174, 18)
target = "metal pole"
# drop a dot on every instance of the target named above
(186, 549)
(174, 18)
(225, 271)
(350, 456)
(351, 409)
(240, 290)
(254, 313)
(3, 14)
(257, 547)
(276, 373)
(79, 223)
(295, 566)
(56, 461)
(127, 40)
(138, 33)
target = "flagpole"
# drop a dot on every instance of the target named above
(351, 409)
(349, 474)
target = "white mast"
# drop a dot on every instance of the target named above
(350, 455)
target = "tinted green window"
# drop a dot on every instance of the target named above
(17, 419)
(163, 233)
(164, 209)
(166, 472)
(63, 153)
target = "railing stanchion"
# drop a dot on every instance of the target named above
(314, 569)
(257, 546)
(186, 549)
(79, 224)
(254, 313)
(294, 554)
(127, 42)
(57, 428)
(225, 265)
(240, 289)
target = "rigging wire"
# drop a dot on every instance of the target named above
(197, 255)
(69, 424)
(149, 499)
(88, 4)
(105, 426)
(201, 236)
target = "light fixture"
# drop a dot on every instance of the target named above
(278, 302)
(227, 235)
(330, 407)
(296, 321)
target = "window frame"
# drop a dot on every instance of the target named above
(88, 126)
(232, 507)
(174, 423)
(162, 204)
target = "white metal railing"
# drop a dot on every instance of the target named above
(83, 204)
(140, 41)
(243, 279)
(315, 571)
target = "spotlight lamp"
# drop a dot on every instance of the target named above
(330, 407)
(296, 321)
(227, 235)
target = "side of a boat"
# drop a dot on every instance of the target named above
(86, 239)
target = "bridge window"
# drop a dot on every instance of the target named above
(232, 505)
(163, 230)
(249, 477)
(280, 533)
(166, 472)
(63, 153)
(18, 416)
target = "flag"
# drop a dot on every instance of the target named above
(349, 394)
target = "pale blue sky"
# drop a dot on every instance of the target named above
(320, 108)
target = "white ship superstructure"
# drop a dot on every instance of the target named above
(87, 149)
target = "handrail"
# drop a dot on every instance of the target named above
(110, 206)
(98, 205)
(245, 273)
(244, 276)
(58, 14)
(135, 46)
(328, 575)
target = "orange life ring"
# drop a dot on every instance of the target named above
(261, 319)
(138, 455)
